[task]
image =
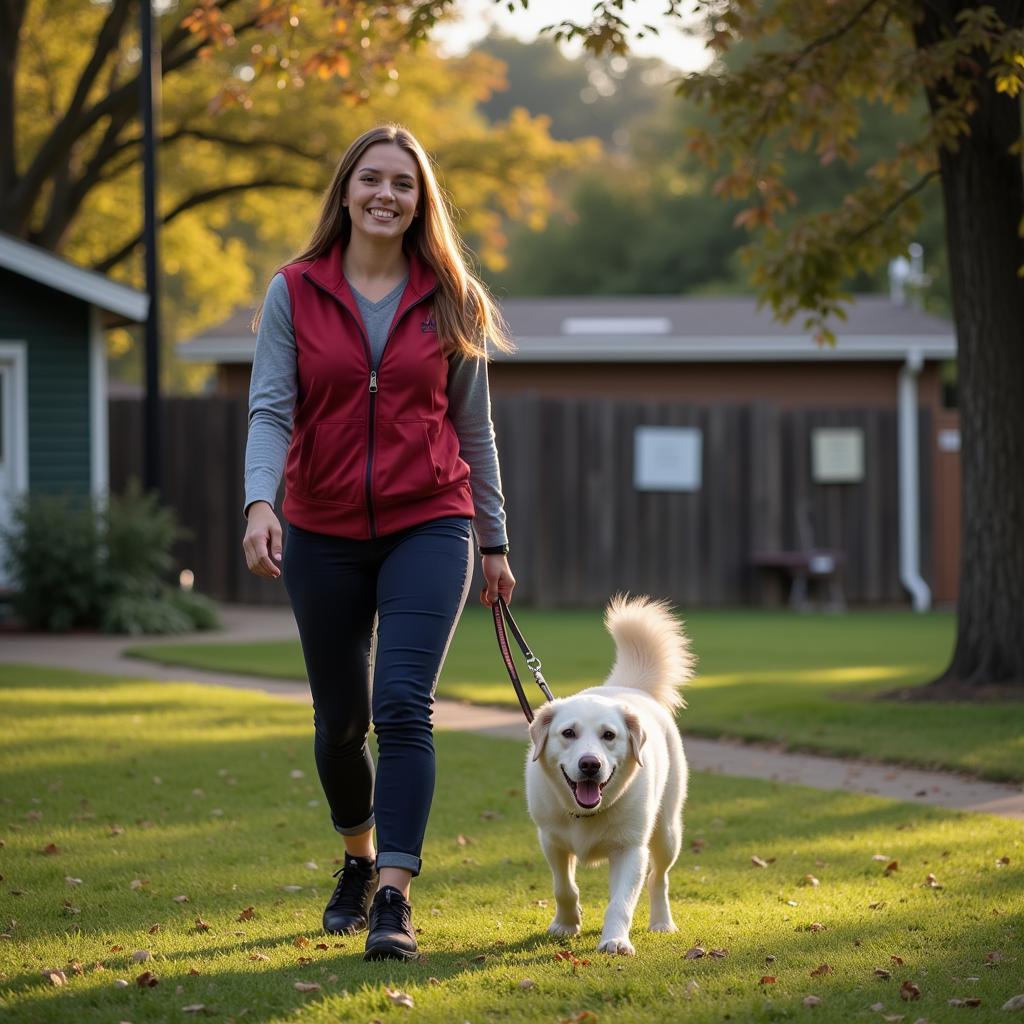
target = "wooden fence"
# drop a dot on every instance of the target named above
(579, 529)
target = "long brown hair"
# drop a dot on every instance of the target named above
(467, 316)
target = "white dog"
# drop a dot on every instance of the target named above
(606, 778)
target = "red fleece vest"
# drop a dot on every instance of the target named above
(371, 452)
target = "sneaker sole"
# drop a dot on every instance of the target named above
(390, 953)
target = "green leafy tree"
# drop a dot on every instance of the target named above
(812, 67)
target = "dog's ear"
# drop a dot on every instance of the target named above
(637, 736)
(539, 729)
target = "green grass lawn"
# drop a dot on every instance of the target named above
(120, 796)
(806, 681)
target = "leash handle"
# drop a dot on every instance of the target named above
(501, 614)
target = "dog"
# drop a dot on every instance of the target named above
(606, 776)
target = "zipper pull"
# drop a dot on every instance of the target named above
(373, 381)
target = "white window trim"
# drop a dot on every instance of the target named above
(99, 453)
(16, 352)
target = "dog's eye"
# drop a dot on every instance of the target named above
(608, 735)
(569, 734)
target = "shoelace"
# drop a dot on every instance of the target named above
(392, 913)
(350, 894)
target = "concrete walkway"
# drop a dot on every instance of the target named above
(88, 653)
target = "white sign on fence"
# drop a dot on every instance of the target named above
(837, 455)
(667, 459)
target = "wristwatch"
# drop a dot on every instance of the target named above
(495, 549)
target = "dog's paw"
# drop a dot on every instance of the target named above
(563, 929)
(616, 947)
(663, 926)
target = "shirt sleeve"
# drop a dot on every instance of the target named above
(469, 408)
(272, 392)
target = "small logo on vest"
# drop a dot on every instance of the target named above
(429, 325)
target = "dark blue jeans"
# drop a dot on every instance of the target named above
(414, 583)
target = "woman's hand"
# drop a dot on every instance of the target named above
(499, 579)
(262, 541)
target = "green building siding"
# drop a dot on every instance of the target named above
(56, 327)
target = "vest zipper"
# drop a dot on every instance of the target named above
(371, 436)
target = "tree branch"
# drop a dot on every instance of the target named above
(224, 140)
(197, 199)
(12, 14)
(20, 200)
(882, 217)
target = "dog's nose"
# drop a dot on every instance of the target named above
(589, 765)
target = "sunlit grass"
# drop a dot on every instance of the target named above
(171, 757)
(808, 682)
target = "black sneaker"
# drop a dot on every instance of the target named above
(391, 936)
(346, 910)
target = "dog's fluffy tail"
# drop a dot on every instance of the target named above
(652, 653)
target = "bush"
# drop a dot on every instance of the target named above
(100, 566)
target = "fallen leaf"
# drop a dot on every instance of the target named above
(812, 1001)
(301, 942)
(930, 882)
(304, 960)
(116, 830)
(322, 945)
(881, 856)
(1014, 1003)
(897, 960)
(50, 849)
(75, 967)
(463, 840)
(307, 986)
(181, 899)
(55, 977)
(116, 949)
(881, 972)
(822, 970)
(142, 955)
(692, 988)
(877, 1007)
(892, 867)
(527, 983)
(194, 971)
(136, 883)
(147, 979)
(194, 1008)
(876, 906)
(994, 956)
(909, 991)
(718, 954)
(811, 881)
(292, 888)
(1002, 863)
(480, 958)
(490, 815)
(201, 925)
(894, 1018)
(120, 983)
(759, 862)
(972, 1001)
(579, 1017)
(248, 914)
(697, 845)
(312, 865)
(694, 953)
(259, 956)
(297, 773)
(399, 998)
(816, 926)
(767, 979)
(153, 929)
(540, 903)
(72, 881)
(70, 908)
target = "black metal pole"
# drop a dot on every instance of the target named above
(150, 103)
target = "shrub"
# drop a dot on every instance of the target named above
(77, 564)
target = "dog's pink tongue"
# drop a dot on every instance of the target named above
(588, 793)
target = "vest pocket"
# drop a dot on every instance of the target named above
(336, 468)
(404, 463)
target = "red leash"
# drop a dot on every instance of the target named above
(501, 615)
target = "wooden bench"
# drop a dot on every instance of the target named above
(822, 565)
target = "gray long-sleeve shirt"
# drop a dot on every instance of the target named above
(274, 389)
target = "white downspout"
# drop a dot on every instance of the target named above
(909, 474)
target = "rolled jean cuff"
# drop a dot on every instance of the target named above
(400, 860)
(355, 830)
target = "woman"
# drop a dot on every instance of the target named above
(369, 388)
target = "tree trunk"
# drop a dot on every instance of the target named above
(983, 194)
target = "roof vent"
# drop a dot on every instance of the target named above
(616, 325)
